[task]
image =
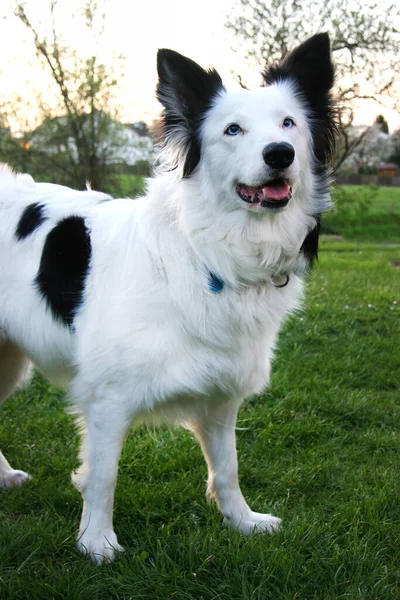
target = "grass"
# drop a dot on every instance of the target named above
(366, 214)
(319, 448)
(126, 186)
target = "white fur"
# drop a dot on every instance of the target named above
(151, 340)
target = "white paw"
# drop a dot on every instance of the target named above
(256, 523)
(13, 478)
(100, 547)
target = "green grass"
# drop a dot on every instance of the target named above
(367, 214)
(320, 448)
(127, 186)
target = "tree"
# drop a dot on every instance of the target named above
(395, 155)
(375, 147)
(81, 124)
(381, 124)
(365, 41)
(16, 150)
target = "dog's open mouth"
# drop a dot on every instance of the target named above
(272, 194)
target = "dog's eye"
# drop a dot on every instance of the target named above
(233, 129)
(288, 123)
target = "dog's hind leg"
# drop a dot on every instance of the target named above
(216, 434)
(105, 424)
(14, 370)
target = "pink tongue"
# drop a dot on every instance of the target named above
(276, 192)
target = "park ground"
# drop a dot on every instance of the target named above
(319, 448)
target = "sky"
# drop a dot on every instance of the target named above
(135, 29)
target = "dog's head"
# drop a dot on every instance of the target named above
(258, 148)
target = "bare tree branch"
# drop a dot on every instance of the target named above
(82, 119)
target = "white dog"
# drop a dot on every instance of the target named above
(168, 307)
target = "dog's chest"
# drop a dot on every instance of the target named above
(169, 335)
(220, 345)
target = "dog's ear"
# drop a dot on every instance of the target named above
(310, 67)
(186, 92)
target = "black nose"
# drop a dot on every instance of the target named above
(278, 155)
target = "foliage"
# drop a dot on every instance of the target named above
(127, 186)
(367, 170)
(319, 448)
(373, 148)
(367, 213)
(395, 156)
(352, 202)
(381, 122)
(81, 126)
(365, 40)
(141, 167)
(17, 152)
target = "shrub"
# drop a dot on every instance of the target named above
(352, 203)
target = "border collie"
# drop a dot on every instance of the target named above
(168, 307)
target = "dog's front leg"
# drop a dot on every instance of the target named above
(106, 425)
(10, 477)
(216, 434)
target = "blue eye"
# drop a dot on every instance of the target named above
(288, 123)
(233, 129)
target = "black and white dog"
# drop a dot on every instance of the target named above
(168, 307)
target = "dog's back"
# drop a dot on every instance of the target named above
(29, 211)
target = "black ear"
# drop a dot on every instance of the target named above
(186, 92)
(311, 64)
(309, 247)
(310, 67)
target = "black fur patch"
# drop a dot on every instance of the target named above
(310, 67)
(309, 247)
(31, 219)
(64, 266)
(186, 91)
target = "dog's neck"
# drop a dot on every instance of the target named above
(237, 246)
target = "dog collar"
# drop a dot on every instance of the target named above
(280, 281)
(216, 284)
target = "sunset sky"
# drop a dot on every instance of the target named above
(135, 29)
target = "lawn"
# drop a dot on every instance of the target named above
(366, 213)
(127, 186)
(320, 449)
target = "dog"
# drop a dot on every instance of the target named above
(167, 307)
